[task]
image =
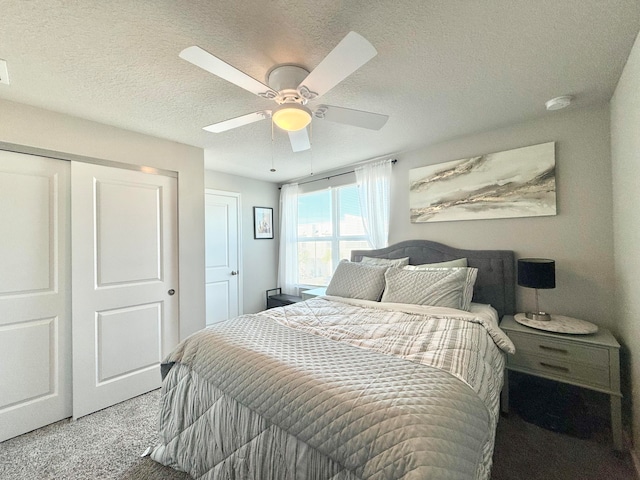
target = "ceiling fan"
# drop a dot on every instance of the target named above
(292, 87)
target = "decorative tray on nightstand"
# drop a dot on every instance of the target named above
(559, 324)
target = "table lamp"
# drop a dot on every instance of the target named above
(537, 273)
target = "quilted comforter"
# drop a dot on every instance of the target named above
(285, 395)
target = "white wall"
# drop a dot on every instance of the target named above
(259, 257)
(579, 237)
(625, 157)
(34, 127)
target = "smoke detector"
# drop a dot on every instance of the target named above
(558, 102)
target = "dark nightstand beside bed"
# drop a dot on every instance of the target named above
(275, 298)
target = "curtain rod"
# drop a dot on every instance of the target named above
(393, 162)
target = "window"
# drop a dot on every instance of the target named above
(329, 227)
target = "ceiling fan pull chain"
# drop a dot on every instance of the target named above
(272, 167)
(310, 144)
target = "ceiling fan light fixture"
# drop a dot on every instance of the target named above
(291, 117)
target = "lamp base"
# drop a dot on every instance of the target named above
(538, 316)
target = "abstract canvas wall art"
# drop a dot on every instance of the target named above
(514, 183)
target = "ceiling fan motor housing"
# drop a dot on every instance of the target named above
(285, 79)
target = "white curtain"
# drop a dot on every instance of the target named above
(374, 186)
(288, 262)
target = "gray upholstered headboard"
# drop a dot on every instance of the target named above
(495, 283)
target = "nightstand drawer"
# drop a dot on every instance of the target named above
(555, 349)
(570, 371)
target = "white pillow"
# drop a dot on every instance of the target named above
(458, 262)
(354, 280)
(386, 262)
(438, 287)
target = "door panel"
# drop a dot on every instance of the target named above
(30, 371)
(35, 363)
(222, 256)
(218, 301)
(119, 351)
(27, 249)
(134, 257)
(124, 265)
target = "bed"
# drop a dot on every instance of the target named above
(345, 387)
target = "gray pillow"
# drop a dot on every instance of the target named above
(458, 262)
(386, 262)
(354, 280)
(438, 287)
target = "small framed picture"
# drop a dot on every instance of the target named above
(262, 222)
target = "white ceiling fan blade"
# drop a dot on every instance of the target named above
(350, 54)
(299, 140)
(238, 121)
(357, 118)
(212, 64)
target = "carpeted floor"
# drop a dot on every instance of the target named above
(104, 445)
(108, 445)
(526, 451)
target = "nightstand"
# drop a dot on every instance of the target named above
(587, 361)
(279, 299)
(315, 292)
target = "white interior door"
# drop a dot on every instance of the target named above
(222, 211)
(125, 291)
(35, 333)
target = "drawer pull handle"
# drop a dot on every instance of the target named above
(554, 367)
(553, 349)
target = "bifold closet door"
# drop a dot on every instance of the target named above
(125, 274)
(35, 330)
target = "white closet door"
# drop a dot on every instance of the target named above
(35, 334)
(124, 266)
(222, 258)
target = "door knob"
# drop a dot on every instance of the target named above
(233, 272)
(171, 292)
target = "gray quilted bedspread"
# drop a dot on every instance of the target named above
(325, 409)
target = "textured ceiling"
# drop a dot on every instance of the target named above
(445, 68)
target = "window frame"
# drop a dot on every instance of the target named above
(336, 236)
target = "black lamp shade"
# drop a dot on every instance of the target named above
(537, 273)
